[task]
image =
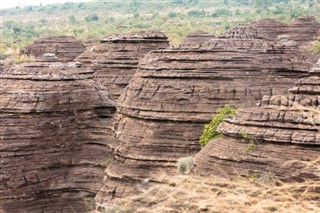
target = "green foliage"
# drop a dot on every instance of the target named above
(91, 18)
(196, 13)
(24, 59)
(184, 165)
(22, 25)
(210, 130)
(221, 12)
(316, 47)
(172, 14)
(252, 140)
(72, 20)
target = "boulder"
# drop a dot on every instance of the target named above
(116, 58)
(55, 138)
(55, 49)
(280, 137)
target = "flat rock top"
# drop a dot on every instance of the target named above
(242, 32)
(303, 30)
(55, 49)
(45, 71)
(136, 36)
(195, 39)
(56, 39)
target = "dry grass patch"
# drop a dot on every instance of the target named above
(217, 195)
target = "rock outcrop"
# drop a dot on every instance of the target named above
(283, 135)
(55, 49)
(55, 138)
(196, 39)
(303, 30)
(116, 58)
(174, 92)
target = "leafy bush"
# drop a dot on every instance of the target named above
(172, 14)
(210, 130)
(316, 47)
(221, 12)
(252, 140)
(90, 18)
(184, 165)
(196, 13)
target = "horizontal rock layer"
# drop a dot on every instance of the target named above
(55, 49)
(303, 30)
(116, 58)
(174, 92)
(55, 138)
(196, 39)
(284, 132)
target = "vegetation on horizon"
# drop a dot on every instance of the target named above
(176, 18)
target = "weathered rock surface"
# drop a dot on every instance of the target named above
(303, 30)
(196, 39)
(55, 49)
(116, 58)
(55, 138)
(285, 130)
(174, 92)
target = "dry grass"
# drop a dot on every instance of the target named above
(203, 194)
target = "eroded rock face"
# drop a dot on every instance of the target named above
(303, 30)
(116, 58)
(55, 49)
(285, 130)
(196, 39)
(55, 138)
(174, 92)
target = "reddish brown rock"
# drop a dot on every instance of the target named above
(174, 92)
(303, 30)
(55, 138)
(116, 58)
(55, 49)
(196, 39)
(284, 132)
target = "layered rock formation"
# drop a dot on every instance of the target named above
(116, 58)
(283, 133)
(303, 30)
(55, 49)
(55, 138)
(174, 92)
(196, 39)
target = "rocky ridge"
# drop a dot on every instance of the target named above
(116, 58)
(174, 92)
(55, 49)
(55, 138)
(196, 39)
(303, 30)
(284, 132)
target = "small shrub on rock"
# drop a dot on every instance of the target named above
(184, 165)
(210, 130)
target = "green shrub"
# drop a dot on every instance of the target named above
(210, 130)
(316, 47)
(172, 14)
(90, 18)
(221, 12)
(252, 140)
(196, 13)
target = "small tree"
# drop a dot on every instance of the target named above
(210, 130)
